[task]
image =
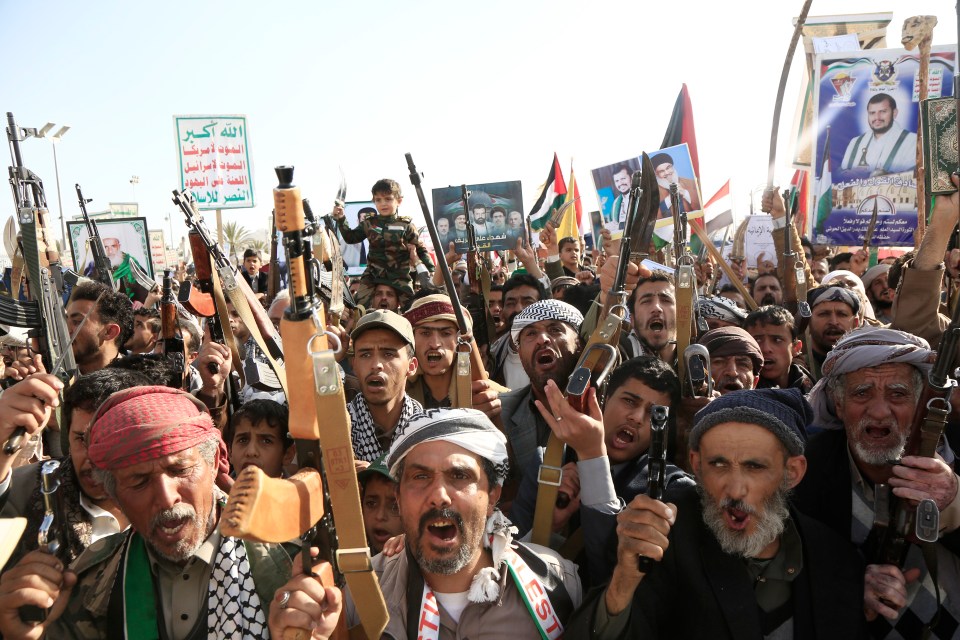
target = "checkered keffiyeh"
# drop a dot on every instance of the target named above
(363, 433)
(234, 610)
(467, 428)
(862, 348)
(147, 423)
(546, 310)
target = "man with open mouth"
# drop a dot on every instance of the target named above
(383, 361)
(775, 331)
(865, 402)
(735, 359)
(731, 558)
(461, 574)
(436, 337)
(834, 311)
(172, 574)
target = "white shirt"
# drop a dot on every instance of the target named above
(103, 522)
(874, 151)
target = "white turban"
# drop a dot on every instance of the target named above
(863, 348)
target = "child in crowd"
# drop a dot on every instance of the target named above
(378, 499)
(258, 435)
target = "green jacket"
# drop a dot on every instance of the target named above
(387, 256)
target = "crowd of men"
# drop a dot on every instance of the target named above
(776, 485)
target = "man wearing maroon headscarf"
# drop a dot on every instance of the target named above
(172, 574)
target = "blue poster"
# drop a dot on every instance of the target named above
(867, 114)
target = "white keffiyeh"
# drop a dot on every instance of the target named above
(863, 348)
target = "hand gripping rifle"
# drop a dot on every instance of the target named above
(237, 290)
(897, 522)
(103, 270)
(656, 465)
(275, 509)
(600, 354)
(44, 314)
(469, 364)
(50, 537)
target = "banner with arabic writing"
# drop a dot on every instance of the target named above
(495, 211)
(867, 110)
(214, 160)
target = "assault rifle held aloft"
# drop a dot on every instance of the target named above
(102, 269)
(276, 509)
(469, 363)
(44, 315)
(478, 268)
(171, 338)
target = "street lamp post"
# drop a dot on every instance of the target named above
(54, 139)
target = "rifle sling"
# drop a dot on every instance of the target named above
(685, 294)
(551, 473)
(461, 392)
(223, 316)
(242, 307)
(352, 556)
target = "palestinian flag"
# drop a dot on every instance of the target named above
(824, 189)
(572, 225)
(800, 182)
(681, 129)
(552, 195)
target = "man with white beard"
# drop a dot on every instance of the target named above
(731, 549)
(866, 400)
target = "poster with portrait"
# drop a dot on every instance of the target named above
(355, 255)
(672, 165)
(126, 242)
(494, 209)
(866, 123)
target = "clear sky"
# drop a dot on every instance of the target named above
(477, 92)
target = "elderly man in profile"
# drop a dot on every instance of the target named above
(460, 575)
(866, 401)
(171, 574)
(734, 560)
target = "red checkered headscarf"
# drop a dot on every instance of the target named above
(147, 423)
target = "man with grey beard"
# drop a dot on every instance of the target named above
(171, 574)
(731, 549)
(866, 400)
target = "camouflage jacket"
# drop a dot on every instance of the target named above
(86, 615)
(388, 258)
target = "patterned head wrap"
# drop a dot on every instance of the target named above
(433, 308)
(546, 310)
(866, 309)
(834, 294)
(733, 341)
(863, 348)
(721, 308)
(466, 428)
(147, 423)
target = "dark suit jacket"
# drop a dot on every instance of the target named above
(698, 591)
(261, 281)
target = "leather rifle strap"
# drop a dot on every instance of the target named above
(352, 555)
(224, 316)
(686, 281)
(461, 390)
(242, 307)
(551, 473)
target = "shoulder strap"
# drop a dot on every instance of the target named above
(853, 152)
(556, 591)
(893, 152)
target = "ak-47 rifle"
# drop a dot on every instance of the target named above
(103, 270)
(688, 320)
(469, 365)
(277, 510)
(656, 465)
(898, 523)
(170, 336)
(237, 290)
(44, 315)
(329, 254)
(208, 303)
(600, 354)
(50, 537)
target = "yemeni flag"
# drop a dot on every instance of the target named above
(681, 129)
(718, 212)
(571, 226)
(552, 195)
(824, 189)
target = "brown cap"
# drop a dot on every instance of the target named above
(383, 319)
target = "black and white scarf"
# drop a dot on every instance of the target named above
(363, 432)
(234, 609)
